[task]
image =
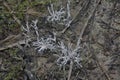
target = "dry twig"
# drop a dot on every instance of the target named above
(81, 35)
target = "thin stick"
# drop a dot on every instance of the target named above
(70, 70)
(13, 44)
(63, 31)
(81, 35)
(86, 24)
(101, 67)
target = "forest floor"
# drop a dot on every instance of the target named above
(95, 22)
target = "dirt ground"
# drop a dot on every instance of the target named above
(96, 23)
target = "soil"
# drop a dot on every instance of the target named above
(98, 23)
